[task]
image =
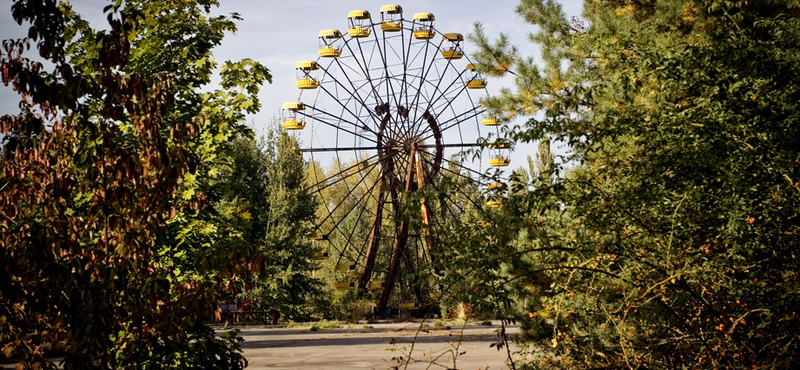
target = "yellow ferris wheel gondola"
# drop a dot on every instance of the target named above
(423, 26)
(345, 267)
(499, 161)
(496, 186)
(490, 121)
(453, 50)
(330, 43)
(321, 255)
(494, 203)
(359, 23)
(345, 285)
(375, 285)
(305, 75)
(475, 81)
(409, 306)
(289, 119)
(391, 18)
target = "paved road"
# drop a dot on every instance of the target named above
(374, 348)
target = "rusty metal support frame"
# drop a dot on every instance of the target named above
(402, 236)
(374, 238)
(423, 207)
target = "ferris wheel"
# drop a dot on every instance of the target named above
(387, 105)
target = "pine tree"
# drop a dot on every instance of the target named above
(671, 242)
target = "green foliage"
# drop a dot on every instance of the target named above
(252, 234)
(202, 349)
(99, 186)
(268, 177)
(328, 324)
(671, 243)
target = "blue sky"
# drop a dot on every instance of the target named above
(280, 33)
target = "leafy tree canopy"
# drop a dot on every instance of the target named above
(261, 197)
(671, 240)
(113, 135)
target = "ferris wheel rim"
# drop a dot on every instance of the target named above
(368, 108)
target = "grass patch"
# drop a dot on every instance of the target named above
(324, 324)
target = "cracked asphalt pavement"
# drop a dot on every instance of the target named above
(376, 346)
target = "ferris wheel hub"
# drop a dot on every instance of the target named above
(411, 144)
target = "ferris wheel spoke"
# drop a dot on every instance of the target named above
(467, 115)
(365, 70)
(327, 209)
(474, 107)
(444, 200)
(361, 251)
(390, 93)
(458, 174)
(404, 57)
(342, 103)
(374, 91)
(404, 160)
(353, 94)
(448, 95)
(340, 149)
(454, 121)
(363, 67)
(438, 82)
(346, 197)
(423, 73)
(426, 79)
(443, 95)
(329, 116)
(438, 225)
(335, 126)
(356, 89)
(470, 198)
(447, 103)
(397, 93)
(357, 203)
(459, 165)
(349, 238)
(408, 78)
(467, 178)
(347, 170)
(406, 61)
(343, 200)
(335, 227)
(363, 209)
(448, 208)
